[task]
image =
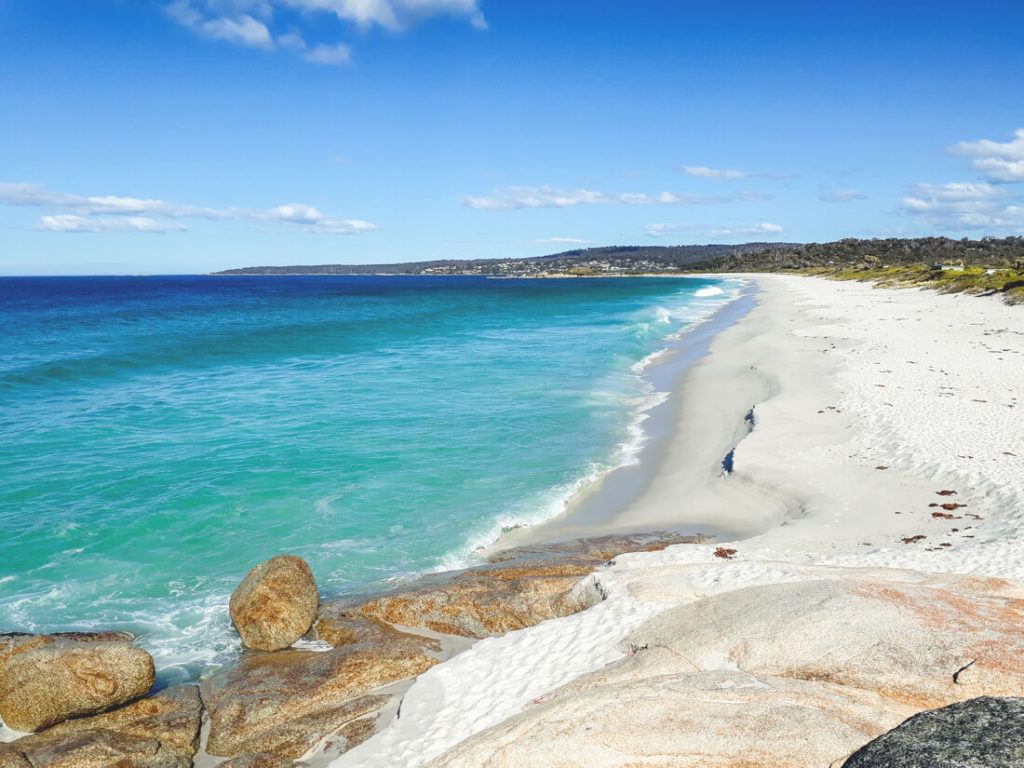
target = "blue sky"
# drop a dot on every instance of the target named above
(183, 136)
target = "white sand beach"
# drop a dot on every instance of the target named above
(866, 405)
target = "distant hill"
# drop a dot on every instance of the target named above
(748, 257)
(623, 259)
(927, 251)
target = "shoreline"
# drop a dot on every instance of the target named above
(597, 508)
(850, 445)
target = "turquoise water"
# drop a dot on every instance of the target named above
(160, 436)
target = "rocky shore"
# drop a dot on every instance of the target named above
(816, 671)
(786, 675)
(85, 698)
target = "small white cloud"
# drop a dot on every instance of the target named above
(244, 30)
(840, 195)
(956, 191)
(712, 173)
(713, 233)
(999, 162)
(514, 198)
(329, 54)
(478, 21)
(563, 240)
(962, 206)
(310, 219)
(724, 174)
(292, 41)
(393, 14)
(183, 13)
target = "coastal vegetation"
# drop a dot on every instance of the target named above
(1008, 282)
(986, 266)
(932, 252)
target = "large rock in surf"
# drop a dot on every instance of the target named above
(161, 731)
(45, 679)
(275, 604)
(985, 732)
(632, 716)
(12, 643)
(284, 703)
(925, 644)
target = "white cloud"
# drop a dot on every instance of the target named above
(310, 219)
(957, 192)
(563, 240)
(840, 195)
(394, 14)
(724, 174)
(73, 223)
(514, 198)
(712, 173)
(338, 53)
(77, 213)
(999, 162)
(253, 22)
(183, 13)
(330, 54)
(237, 27)
(244, 30)
(37, 195)
(962, 206)
(292, 41)
(713, 233)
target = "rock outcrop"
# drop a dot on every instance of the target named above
(275, 604)
(704, 720)
(284, 703)
(784, 675)
(161, 731)
(45, 679)
(926, 644)
(270, 708)
(985, 732)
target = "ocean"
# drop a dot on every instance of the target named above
(160, 436)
